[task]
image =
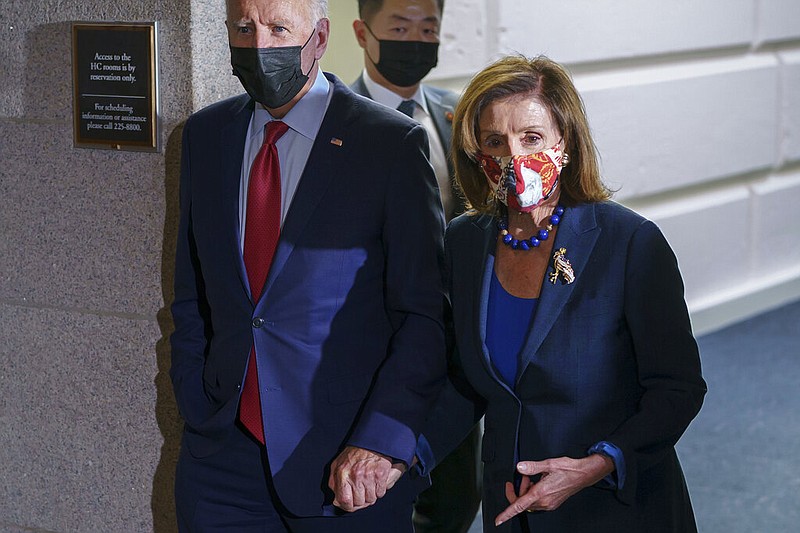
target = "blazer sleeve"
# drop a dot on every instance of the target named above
(190, 311)
(666, 353)
(415, 365)
(459, 407)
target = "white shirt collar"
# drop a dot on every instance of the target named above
(306, 116)
(384, 96)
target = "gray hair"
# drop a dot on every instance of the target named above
(318, 9)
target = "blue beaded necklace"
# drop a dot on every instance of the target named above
(535, 240)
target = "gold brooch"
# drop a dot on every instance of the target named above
(561, 267)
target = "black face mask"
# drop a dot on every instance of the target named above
(405, 63)
(271, 76)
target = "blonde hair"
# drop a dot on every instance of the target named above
(551, 84)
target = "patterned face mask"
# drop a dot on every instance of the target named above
(523, 182)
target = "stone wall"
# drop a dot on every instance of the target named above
(88, 426)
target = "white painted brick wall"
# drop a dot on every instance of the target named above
(776, 209)
(464, 48)
(695, 106)
(778, 20)
(599, 30)
(790, 106)
(710, 234)
(665, 128)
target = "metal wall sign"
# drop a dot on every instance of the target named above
(115, 85)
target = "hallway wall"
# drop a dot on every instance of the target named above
(88, 425)
(695, 110)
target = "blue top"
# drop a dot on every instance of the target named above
(508, 320)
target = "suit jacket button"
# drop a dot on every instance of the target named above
(258, 322)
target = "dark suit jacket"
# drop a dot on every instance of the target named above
(349, 336)
(608, 357)
(441, 104)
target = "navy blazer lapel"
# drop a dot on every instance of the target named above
(231, 141)
(359, 87)
(578, 234)
(324, 161)
(442, 115)
(441, 108)
(481, 279)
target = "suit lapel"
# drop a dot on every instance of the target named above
(578, 234)
(359, 87)
(482, 267)
(232, 140)
(321, 168)
(440, 113)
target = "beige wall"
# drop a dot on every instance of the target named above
(344, 57)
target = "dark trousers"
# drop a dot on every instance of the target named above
(452, 501)
(231, 492)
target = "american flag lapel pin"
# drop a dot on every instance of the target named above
(336, 141)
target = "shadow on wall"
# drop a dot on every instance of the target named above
(166, 411)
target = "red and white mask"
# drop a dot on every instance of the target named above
(523, 182)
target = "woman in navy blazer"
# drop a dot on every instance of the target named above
(571, 332)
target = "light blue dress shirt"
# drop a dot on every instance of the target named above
(294, 147)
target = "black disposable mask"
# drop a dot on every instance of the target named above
(405, 63)
(271, 76)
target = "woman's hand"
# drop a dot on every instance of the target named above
(561, 478)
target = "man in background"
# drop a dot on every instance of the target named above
(400, 39)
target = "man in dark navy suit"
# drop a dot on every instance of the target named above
(400, 39)
(308, 341)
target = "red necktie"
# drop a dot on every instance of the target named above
(261, 232)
